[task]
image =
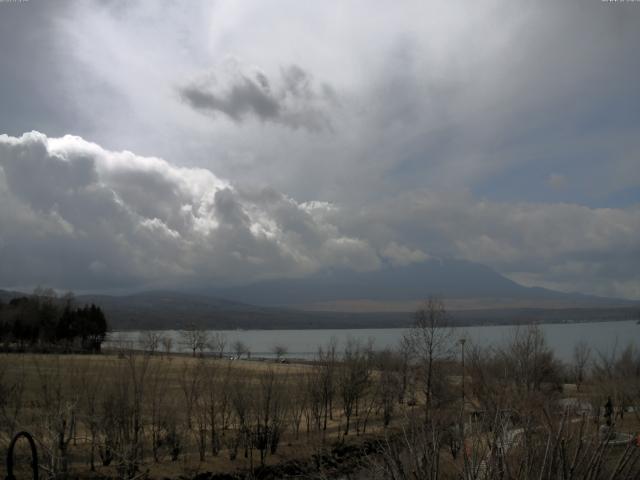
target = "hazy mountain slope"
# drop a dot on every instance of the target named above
(473, 293)
(6, 295)
(175, 310)
(451, 279)
(171, 309)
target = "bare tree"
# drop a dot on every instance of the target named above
(214, 403)
(269, 413)
(242, 403)
(388, 382)
(91, 388)
(316, 399)
(159, 408)
(58, 403)
(122, 425)
(149, 341)
(404, 352)
(167, 345)
(218, 343)
(326, 365)
(12, 389)
(617, 376)
(279, 351)
(299, 395)
(192, 385)
(240, 348)
(137, 366)
(431, 341)
(581, 356)
(194, 338)
(139, 408)
(225, 396)
(561, 449)
(353, 378)
(529, 359)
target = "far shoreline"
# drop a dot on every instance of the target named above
(398, 320)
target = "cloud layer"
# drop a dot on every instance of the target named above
(564, 246)
(350, 137)
(78, 216)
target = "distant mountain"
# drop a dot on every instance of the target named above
(451, 279)
(473, 293)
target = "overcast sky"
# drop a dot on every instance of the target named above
(158, 143)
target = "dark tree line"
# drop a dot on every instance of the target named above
(43, 320)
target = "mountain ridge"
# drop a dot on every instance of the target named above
(450, 279)
(474, 293)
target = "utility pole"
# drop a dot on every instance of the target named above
(462, 342)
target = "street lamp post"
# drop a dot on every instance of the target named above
(462, 342)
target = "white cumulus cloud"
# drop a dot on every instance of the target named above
(76, 215)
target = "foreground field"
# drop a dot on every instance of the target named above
(506, 413)
(165, 416)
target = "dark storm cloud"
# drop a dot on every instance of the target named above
(295, 103)
(247, 97)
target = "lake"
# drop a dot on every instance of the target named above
(600, 336)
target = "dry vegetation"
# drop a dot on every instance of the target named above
(418, 412)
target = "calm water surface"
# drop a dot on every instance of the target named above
(601, 336)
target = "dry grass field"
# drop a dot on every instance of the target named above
(398, 414)
(70, 396)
